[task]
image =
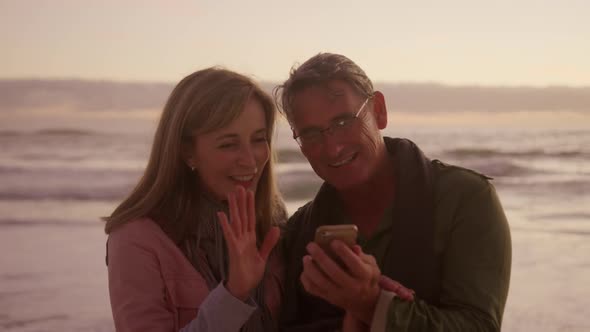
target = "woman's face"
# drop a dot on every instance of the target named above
(234, 155)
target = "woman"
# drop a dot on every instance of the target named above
(170, 268)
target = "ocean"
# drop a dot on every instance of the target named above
(61, 171)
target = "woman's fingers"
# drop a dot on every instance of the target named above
(242, 208)
(251, 212)
(225, 227)
(242, 211)
(270, 240)
(234, 214)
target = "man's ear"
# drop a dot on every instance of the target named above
(380, 110)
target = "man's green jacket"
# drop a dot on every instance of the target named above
(444, 236)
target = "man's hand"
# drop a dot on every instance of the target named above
(355, 288)
(393, 286)
(246, 261)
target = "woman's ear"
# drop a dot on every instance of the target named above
(380, 110)
(186, 151)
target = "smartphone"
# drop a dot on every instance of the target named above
(326, 233)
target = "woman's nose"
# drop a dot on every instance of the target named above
(247, 157)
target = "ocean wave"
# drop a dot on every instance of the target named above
(562, 216)
(299, 184)
(78, 185)
(546, 187)
(10, 133)
(69, 132)
(66, 169)
(114, 193)
(296, 180)
(49, 222)
(65, 132)
(24, 323)
(495, 153)
(580, 232)
(498, 168)
(294, 183)
(12, 169)
(290, 156)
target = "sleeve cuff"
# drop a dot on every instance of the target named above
(379, 322)
(220, 300)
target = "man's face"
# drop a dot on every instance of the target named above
(344, 157)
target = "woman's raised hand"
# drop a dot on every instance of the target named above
(246, 261)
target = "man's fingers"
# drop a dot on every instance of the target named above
(369, 259)
(353, 262)
(396, 287)
(389, 284)
(357, 249)
(308, 285)
(270, 240)
(317, 276)
(329, 267)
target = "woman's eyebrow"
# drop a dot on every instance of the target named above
(234, 135)
(261, 130)
(224, 136)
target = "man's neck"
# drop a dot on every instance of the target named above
(365, 204)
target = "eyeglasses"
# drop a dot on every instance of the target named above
(338, 127)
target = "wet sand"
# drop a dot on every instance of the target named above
(53, 278)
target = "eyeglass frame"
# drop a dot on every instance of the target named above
(330, 128)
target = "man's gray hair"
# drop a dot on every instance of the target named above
(318, 70)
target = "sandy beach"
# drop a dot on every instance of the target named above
(56, 280)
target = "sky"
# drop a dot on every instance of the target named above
(459, 42)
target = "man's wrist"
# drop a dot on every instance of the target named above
(379, 320)
(367, 310)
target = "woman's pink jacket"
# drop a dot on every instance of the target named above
(153, 286)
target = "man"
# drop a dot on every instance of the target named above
(434, 228)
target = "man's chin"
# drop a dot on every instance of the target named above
(344, 184)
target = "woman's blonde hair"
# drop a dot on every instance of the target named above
(168, 191)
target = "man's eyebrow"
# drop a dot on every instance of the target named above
(340, 116)
(309, 128)
(336, 93)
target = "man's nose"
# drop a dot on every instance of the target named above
(332, 146)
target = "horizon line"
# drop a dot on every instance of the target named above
(265, 81)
